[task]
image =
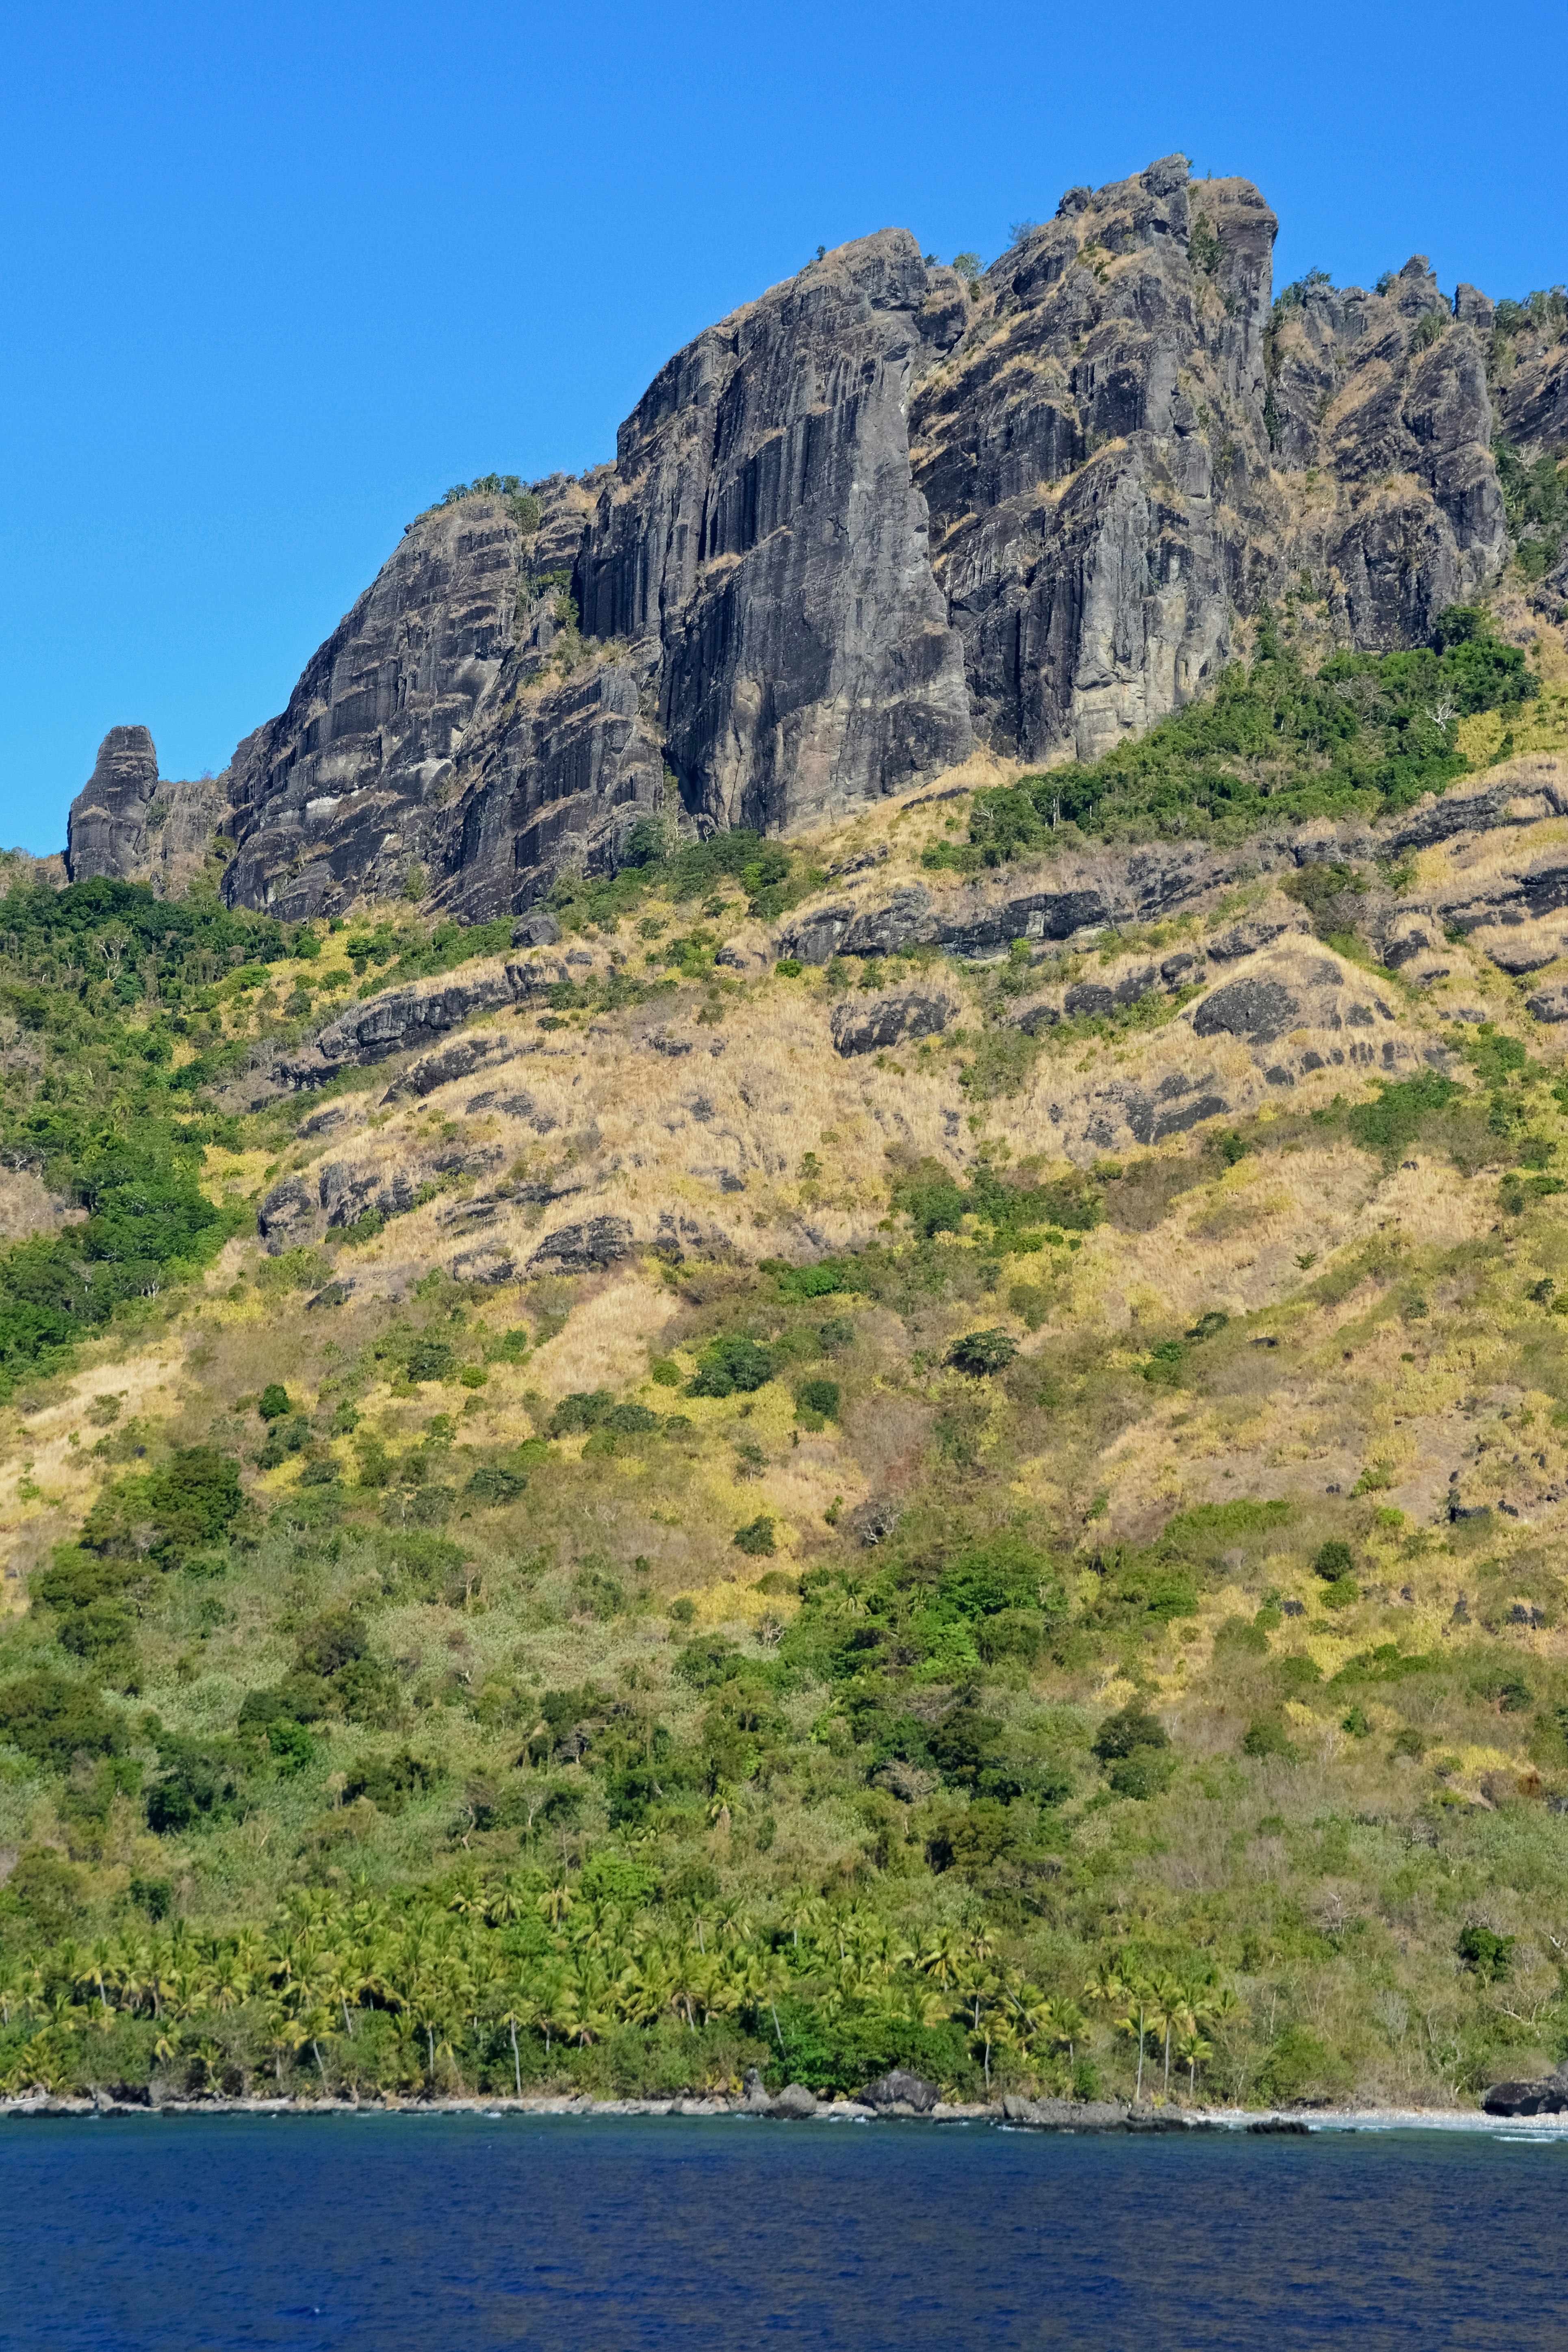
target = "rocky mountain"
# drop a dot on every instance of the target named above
(885, 516)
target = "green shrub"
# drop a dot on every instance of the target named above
(1391, 1124)
(1242, 1633)
(1488, 1956)
(980, 1353)
(584, 1409)
(198, 1786)
(731, 1366)
(429, 1359)
(819, 1281)
(274, 1402)
(51, 1718)
(1130, 1729)
(756, 1537)
(493, 1484)
(168, 1513)
(391, 1783)
(1141, 1775)
(1266, 1736)
(817, 1400)
(1333, 1560)
(632, 1420)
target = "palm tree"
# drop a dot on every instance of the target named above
(520, 2011)
(1169, 2011)
(941, 1957)
(1191, 2049)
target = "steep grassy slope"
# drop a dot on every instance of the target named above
(908, 1583)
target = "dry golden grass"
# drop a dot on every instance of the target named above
(609, 1339)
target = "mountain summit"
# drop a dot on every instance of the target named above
(887, 514)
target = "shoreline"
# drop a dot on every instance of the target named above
(1058, 2118)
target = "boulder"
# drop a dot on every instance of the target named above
(287, 1215)
(898, 2089)
(460, 1059)
(795, 2103)
(486, 1264)
(587, 1248)
(1245, 938)
(1549, 1003)
(890, 1018)
(1258, 1010)
(817, 936)
(539, 930)
(873, 1521)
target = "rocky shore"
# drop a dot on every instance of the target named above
(795, 2103)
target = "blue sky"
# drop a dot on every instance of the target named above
(274, 278)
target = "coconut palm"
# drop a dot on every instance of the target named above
(1169, 2011)
(1192, 2050)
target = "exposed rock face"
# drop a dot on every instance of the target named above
(129, 823)
(868, 521)
(583, 1249)
(338, 793)
(764, 529)
(1096, 462)
(107, 827)
(1387, 395)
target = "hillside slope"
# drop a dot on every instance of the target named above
(903, 1448)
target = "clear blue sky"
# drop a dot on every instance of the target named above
(275, 276)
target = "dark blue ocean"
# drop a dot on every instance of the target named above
(455, 2233)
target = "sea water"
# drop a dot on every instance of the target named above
(455, 2233)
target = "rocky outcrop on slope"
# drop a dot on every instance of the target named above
(452, 724)
(133, 825)
(1085, 892)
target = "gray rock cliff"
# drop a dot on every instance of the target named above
(876, 518)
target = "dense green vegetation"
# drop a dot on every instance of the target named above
(625, 1849)
(99, 982)
(1363, 734)
(772, 876)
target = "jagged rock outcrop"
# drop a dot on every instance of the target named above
(874, 518)
(1385, 397)
(1095, 461)
(406, 742)
(907, 1015)
(133, 825)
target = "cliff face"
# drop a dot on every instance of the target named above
(1384, 397)
(872, 521)
(1096, 462)
(763, 531)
